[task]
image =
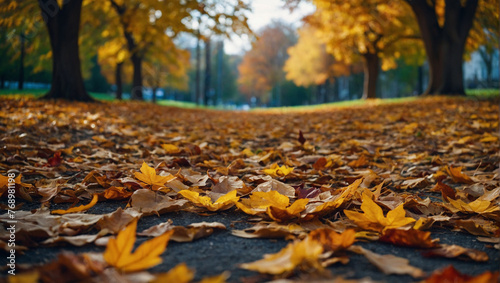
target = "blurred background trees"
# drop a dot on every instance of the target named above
(175, 50)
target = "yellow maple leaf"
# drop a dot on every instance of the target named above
(457, 176)
(332, 240)
(170, 148)
(275, 204)
(373, 217)
(179, 274)
(260, 201)
(285, 214)
(149, 178)
(77, 208)
(330, 206)
(224, 202)
(298, 254)
(119, 250)
(477, 206)
(278, 171)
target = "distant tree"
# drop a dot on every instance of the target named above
(445, 26)
(309, 64)
(262, 67)
(375, 32)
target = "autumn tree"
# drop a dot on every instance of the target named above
(261, 69)
(376, 32)
(309, 63)
(144, 22)
(62, 21)
(445, 26)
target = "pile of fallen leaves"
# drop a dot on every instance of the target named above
(325, 180)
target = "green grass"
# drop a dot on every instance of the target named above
(181, 104)
(340, 104)
(483, 93)
(39, 92)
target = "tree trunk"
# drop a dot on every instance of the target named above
(136, 93)
(154, 94)
(420, 80)
(63, 26)
(487, 57)
(20, 84)
(198, 70)
(2, 81)
(208, 72)
(445, 45)
(118, 80)
(371, 69)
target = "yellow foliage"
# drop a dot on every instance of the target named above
(303, 254)
(119, 250)
(78, 208)
(149, 178)
(373, 217)
(224, 202)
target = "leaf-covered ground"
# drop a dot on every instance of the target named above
(395, 192)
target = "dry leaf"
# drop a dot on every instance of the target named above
(270, 230)
(179, 274)
(222, 203)
(119, 250)
(333, 241)
(408, 238)
(278, 171)
(150, 179)
(149, 202)
(389, 264)
(457, 176)
(78, 208)
(450, 274)
(374, 219)
(303, 254)
(455, 251)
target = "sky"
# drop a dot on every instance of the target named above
(263, 12)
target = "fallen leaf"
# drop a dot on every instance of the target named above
(222, 203)
(450, 274)
(455, 251)
(457, 176)
(408, 238)
(171, 148)
(302, 254)
(373, 217)
(149, 178)
(270, 230)
(149, 202)
(119, 250)
(275, 185)
(278, 171)
(389, 264)
(477, 206)
(78, 208)
(221, 278)
(333, 241)
(178, 274)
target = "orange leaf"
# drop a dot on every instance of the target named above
(450, 274)
(148, 177)
(119, 250)
(332, 240)
(78, 208)
(457, 176)
(408, 238)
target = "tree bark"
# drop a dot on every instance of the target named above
(208, 72)
(198, 70)
(2, 81)
(154, 94)
(118, 80)
(445, 45)
(63, 26)
(371, 70)
(136, 93)
(20, 84)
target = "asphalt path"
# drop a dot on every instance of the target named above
(222, 251)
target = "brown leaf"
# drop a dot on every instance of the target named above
(149, 202)
(455, 251)
(450, 274)
(408, 238)
(389, 264)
